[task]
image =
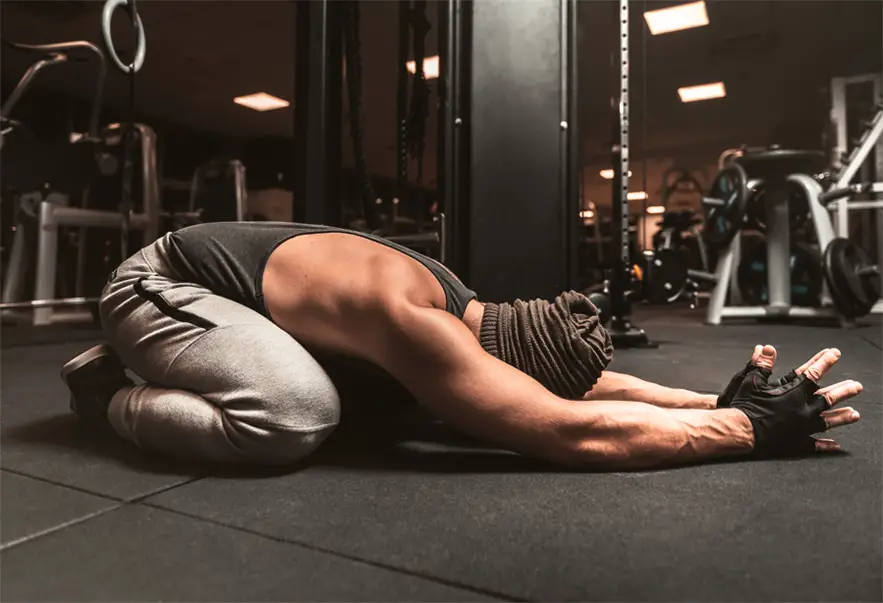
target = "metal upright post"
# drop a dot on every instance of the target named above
(318, 109)
(570, 169)
(623, 332)
(449, 154)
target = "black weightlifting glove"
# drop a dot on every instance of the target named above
(725, 399)
(784, 416)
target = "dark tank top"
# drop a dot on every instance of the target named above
(228, 258)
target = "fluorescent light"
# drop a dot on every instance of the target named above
(692, 94)
(261, 101)
(656, 209)
(430, 67)
(587, 214)
(608, 174)
(676, 18)
(637, 196)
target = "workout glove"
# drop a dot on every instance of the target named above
(784, 416)
(725, 399)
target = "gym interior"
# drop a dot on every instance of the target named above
(709, 173)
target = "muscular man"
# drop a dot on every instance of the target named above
(229, 323)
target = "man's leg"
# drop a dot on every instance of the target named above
(223, 382)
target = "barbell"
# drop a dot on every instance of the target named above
(35, 304)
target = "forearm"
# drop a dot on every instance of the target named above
(619, 386)
(633, 435)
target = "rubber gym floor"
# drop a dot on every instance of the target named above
(86, 519)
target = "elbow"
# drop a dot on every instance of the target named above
(594, 454)
(587, 445)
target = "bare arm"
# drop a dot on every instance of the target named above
(436, 357)
(619, 386)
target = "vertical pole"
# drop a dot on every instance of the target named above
(450, 131)
(572, 202)
(623, 333)
(47, 258)
(317, 107)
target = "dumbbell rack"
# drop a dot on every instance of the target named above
(778, 262)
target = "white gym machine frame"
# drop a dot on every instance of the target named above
(53, 215)
(874, 140)
(778, 234)
(241, 193)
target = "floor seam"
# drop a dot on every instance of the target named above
(120, 503)
(341, 555)
(62, 485)
(130, 500)
(60, 527)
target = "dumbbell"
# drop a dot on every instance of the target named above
(601, 301)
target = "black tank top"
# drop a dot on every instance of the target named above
(229, 258)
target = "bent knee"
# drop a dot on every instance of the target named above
(273, 444)
(283, 427)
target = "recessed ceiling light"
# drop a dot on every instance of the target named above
(430, 67)
(261, 101)
(637, 196)
(676, 18)
(656, 209)
(608, 174)
(692, 94)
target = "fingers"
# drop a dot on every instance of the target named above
(756, 355)
(802, 368)
(822, 365)
(826, 445)
(838, 392)
(767, 357)
(839, 417)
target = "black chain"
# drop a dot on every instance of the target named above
(353, 47)
(419, 111)
(126, 202)
(402, 159)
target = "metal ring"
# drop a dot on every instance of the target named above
(141, 43)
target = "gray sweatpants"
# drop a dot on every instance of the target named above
(223, 383)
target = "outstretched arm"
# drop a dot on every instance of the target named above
(619, 386)
(437, 358)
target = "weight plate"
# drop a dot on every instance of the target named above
(798, 206)
(725, 215)
(806, 276)
(853, 280)
(665, 277)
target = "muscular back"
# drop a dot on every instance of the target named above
(329, 290)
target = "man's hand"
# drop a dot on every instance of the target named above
(725, 399)
(785, 416)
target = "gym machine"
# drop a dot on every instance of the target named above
(852, 281)
(43, 212)
(218, 193)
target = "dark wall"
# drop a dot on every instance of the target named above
(52, 117)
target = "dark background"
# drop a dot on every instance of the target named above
(775, 58)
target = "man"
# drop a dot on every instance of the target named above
(225, 323)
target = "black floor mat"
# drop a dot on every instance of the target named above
(447, 516)
(141, 554)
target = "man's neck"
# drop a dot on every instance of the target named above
(473, 315)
